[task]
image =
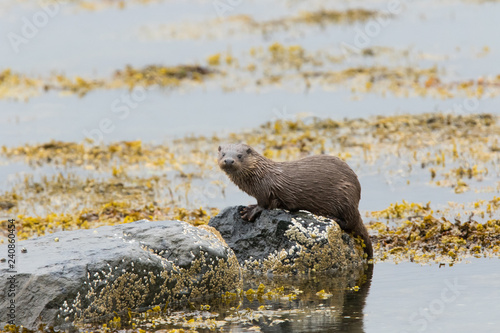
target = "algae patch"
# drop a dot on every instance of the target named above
(18, 86)
(422, 235)
(246, 24)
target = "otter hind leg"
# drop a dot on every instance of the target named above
(251, 212)
(342, 224)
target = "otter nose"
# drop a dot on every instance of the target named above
(228, 161)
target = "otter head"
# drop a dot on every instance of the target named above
(236, 158)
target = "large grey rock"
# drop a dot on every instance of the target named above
(281, 242)
(86, 274)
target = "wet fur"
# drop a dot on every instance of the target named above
(324, 185)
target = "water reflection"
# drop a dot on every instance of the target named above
(354, 304)
(340, 312)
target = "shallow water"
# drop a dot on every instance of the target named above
(451, 35)
(410, 298)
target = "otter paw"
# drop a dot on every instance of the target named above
(245, 212)
(250, 212)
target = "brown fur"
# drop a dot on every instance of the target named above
(323, 185)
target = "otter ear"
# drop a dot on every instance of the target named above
(249, 150)
(220, 148)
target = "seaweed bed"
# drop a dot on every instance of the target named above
(94, 185)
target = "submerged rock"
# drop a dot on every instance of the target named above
(281, 242)
(74, 276)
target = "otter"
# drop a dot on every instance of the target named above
(321, 184)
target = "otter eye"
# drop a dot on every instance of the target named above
(223, 154)
(240, 156)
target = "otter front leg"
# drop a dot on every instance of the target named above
(251, 212)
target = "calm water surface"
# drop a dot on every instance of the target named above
(407, 297)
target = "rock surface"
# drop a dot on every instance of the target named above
(280, 242)
(86, 274)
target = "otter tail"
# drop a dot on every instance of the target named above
(353, 223)
(360, 230)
